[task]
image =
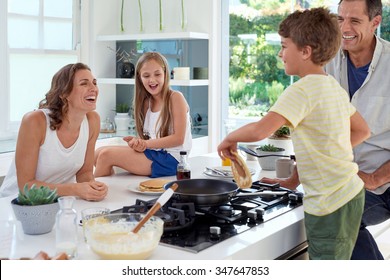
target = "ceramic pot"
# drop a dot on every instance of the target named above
(35, 219)
(268, 163)
(122, 121)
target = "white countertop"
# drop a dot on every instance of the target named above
(266, 241)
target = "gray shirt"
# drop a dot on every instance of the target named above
(372, 100)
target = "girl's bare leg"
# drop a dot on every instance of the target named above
(123, 157)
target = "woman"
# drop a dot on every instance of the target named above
(162, 122)
(55, 145)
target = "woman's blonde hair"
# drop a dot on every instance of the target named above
(142, 95)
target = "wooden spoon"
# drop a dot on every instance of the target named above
(159, 203)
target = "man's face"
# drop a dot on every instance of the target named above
(356, 28)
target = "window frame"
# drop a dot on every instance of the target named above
(8, 128)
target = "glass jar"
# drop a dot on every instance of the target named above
(66, 227)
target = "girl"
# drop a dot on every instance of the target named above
(162, 123)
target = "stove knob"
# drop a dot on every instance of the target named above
(293, 198)
(260, 213)
(252, 215)
(215, 233)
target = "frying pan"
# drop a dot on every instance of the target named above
(210, 192)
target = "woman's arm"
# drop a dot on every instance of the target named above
(31, 136)
(85, 174)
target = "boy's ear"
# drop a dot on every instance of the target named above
(306, 52)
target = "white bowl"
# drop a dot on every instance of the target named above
(111, 237)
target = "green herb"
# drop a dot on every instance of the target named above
(269, 148)
(37, 196)
(283, 131)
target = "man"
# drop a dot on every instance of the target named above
(361, 67)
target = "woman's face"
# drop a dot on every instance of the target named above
(152, 77)
(85, 91)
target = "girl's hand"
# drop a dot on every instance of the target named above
(137, 144)
(128, 138)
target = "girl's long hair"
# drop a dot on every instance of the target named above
(61, 87)
(142, 96)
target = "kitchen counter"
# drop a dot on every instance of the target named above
(266, 241)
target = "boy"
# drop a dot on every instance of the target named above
(325, 127)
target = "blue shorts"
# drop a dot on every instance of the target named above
(163, 163)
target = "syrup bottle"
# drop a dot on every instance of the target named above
(183, 167)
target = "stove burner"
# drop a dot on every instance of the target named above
(194, 229)
(226, 210)
(176, 216)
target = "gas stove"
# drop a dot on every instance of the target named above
(194, 229)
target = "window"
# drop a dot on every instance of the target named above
(42, 37)
(256, 75)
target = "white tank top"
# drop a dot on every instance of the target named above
(56, 164)
(151, 127)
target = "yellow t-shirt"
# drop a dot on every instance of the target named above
(319, 111)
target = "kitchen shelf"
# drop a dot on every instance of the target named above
(123, 81)
(154, 36)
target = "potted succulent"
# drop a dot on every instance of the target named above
(268, 163)
(281, 138)
(122, 117)
(36, 209)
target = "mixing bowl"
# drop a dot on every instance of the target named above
(111, 237)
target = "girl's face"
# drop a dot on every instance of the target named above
(85, 91)
(152, 77)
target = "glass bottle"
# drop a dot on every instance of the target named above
(66, 227)
(183, 167)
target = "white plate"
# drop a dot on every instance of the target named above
(135, 189)
(227, 169)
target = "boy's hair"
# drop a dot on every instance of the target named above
(317, 28)
(373, 7)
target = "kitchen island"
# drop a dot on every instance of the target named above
(269, 240)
